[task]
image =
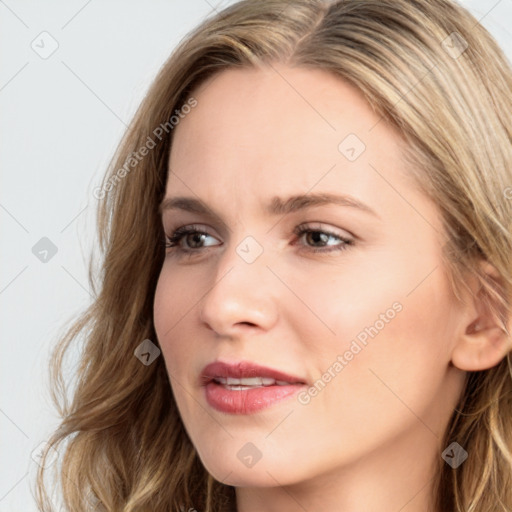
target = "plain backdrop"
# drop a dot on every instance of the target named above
(72, 75)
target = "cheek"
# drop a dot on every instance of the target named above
(175, 296)
(340, 303)
(170, 308)
(401, 367)
(385, 335)
(163, 309)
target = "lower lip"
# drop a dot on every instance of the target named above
(248, 400)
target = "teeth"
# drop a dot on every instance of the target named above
(250, 381)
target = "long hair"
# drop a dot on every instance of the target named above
(427, 68)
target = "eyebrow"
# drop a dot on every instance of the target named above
(277, 206)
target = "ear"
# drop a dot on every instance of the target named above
(483, 341)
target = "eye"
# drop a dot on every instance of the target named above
(318, 238)
(183, 233)
(316, 235)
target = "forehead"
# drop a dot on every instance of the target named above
(280, 130)
(286, 111)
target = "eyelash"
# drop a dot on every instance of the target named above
(172, 242)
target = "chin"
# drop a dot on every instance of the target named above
(250, 478)
(233, 472)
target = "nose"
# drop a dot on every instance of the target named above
(242, 296)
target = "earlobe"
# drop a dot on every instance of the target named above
(484, 341)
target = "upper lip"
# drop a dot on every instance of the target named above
(241, 369)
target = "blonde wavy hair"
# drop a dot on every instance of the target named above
(428, 68)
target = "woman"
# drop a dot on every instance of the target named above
(327, 326)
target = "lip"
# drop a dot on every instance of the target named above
(250, 400)
(242, 369)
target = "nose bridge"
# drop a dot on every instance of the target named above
(241, 292)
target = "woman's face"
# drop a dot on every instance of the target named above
(358, 308)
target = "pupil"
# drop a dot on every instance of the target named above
(317, 236)
(197, 237)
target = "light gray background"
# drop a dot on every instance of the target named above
(61, 119)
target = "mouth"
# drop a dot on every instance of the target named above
(245, 387)
(246, 373)
(250, 382)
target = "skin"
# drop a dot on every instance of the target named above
(371, 438)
